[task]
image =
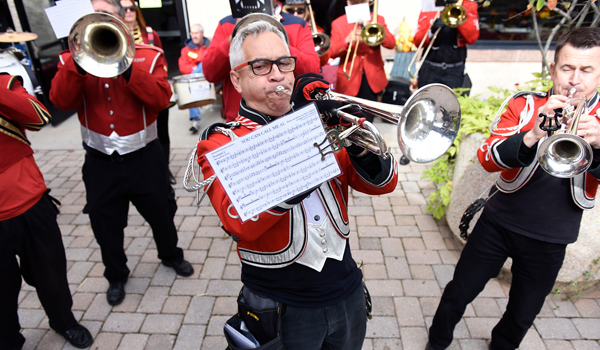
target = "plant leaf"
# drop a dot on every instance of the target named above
(539, 5)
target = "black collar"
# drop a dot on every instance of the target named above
(254, 115)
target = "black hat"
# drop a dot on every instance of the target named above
(295, 2)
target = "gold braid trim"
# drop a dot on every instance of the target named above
(137, 35)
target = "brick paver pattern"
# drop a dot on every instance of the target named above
(407, 258)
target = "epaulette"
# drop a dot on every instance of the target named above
(214, 128)
(540, 94)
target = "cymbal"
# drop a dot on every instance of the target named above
(15, 37)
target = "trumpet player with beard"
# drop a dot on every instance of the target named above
(531, 215)
(319, 287)
(124, 161)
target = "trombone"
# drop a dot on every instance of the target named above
(372, 34)
(453, 15)
(565, 154)
(101, 44)
(321, 40)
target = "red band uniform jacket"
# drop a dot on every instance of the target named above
(500, 153)
(216, 65)
(277, 238)
(192, 55)
(368, 59)
(21, 181)
(115, 114)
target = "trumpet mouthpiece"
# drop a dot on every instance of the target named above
(572, 92)
(282, 90)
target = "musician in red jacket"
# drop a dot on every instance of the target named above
(367, 76)
(531, 215)
(296, 253)
(28, 226)
(124, 161)
(445, 62)
(216, 60)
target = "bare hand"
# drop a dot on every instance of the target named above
(589, 129)
(535, 134)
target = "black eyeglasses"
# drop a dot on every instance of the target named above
(263, 66)
(292, 10)
(130, 8)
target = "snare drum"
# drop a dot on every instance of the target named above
(11, 65)
(193, 91)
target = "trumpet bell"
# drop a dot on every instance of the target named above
(565, 155)
(373, 34)
(102, 45)
(322, 43)
(429, 123)
(453, 15)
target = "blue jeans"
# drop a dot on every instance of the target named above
(535, 267)
(195, 112)
(339, 326)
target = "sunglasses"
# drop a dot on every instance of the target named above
(292, 10)
(130, 8)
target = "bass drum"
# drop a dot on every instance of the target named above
(11, 65)
(193, 91)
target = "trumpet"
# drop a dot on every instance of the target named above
(101, 44)
(427, 124)
(564, 154)
(321, 40)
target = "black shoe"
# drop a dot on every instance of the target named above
(181, 267)
(172, 178)
(116, 293)
(78, 336)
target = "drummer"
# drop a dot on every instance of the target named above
(191, 62)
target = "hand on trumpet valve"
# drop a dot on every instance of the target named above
(311, 87)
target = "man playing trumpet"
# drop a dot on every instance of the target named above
(532, 216)
(124, 161)
(320, 285)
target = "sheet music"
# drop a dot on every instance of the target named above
(66, 13)
(274, 163)
(358, 13)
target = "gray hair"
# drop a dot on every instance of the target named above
(236, 53)
(117, 5)
(199, 27)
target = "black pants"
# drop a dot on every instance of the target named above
(535, 267)
(110, 186)
(162, 127)
(35, 237)
(453, 77)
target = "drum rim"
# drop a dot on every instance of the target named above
(188, 77)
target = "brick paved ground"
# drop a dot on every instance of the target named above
(408, 258)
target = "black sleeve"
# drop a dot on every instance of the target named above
(514, 153)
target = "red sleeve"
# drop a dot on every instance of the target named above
(66, 81)
(215, 63)
(186, 63)
(18, 105)
(247, 231)
(151, 88)
(423, 25)
(469, 32)
(303, 47)
(338, 38)
(390, 41)
(510, 118)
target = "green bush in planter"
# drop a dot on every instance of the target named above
(477, 115)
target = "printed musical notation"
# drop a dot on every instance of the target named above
(274, 163)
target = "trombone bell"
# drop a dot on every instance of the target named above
(322, 43)
(373, 34)
(454, 15)
(102, 45)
